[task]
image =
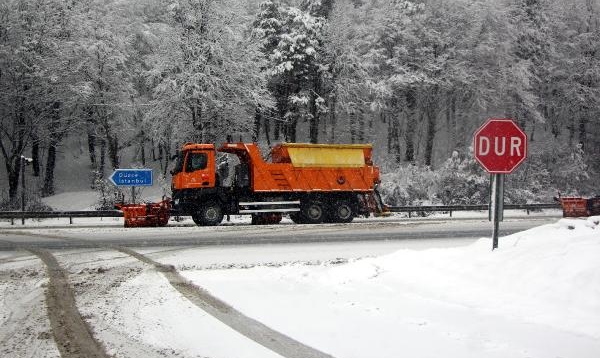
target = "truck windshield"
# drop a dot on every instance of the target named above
(196, 161)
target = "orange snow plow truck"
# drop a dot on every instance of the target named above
(313, 183)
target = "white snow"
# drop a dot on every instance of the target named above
(538, 295)
(147, 310)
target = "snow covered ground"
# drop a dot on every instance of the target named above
(538, 295)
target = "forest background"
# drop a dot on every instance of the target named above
(131, 80)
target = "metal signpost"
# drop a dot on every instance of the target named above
(500, 146)
(132, 178)
(24, 161)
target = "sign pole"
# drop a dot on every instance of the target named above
(497, 206)
(23, 190)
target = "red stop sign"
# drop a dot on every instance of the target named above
(500, 145)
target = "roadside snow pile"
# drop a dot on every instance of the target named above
(548, 275)
(538, 295)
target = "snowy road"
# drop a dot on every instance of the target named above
(240, 234)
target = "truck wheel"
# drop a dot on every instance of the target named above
(341, 212)
(313, 213)
(210, 214)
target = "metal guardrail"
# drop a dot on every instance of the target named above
(12, 215)
(451, 208)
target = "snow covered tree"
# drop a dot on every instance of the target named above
(33, 80)
(291, 40)
(207, 73)
(103, 78)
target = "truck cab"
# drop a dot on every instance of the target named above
(194, 177)
(201, 187)
(195, 167)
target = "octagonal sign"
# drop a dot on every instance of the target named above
(500, 145)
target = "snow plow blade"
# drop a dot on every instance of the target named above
(146, 215)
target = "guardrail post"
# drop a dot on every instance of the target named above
(70, 220)
(450, 213)
(12, 221)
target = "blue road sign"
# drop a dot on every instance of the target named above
(132, 177)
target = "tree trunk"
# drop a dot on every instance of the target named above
(113, 148)
(167, 157)
(451, 122)
(14, 171)
(256, 128)
(582, 126)
(314, 110)
(91, 139)
(153, 145)
(276, 130)
(48, 188)
(360, 118)
(430, 111)
(352, 125)
(143, 150)
(267, 124)
(396, 133)
(430, 136)
(35, 155)
(390, 141)
(409, 135)
(314, 127)
(102, 157)
(333, 117)
(197, 124)
(291, 128)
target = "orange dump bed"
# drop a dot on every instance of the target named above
(309, 167)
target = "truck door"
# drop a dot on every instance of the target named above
(198, 170)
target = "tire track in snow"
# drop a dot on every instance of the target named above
(73, 336)
(249, 327)
(200, 297)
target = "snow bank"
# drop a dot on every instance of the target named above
(549, 275)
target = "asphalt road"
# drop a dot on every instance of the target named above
(239, 234)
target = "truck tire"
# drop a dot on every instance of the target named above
(341, 212)
(312, 212)
(209, 214)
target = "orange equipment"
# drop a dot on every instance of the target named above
(312, 182)
(142, 215)
(579, 207)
